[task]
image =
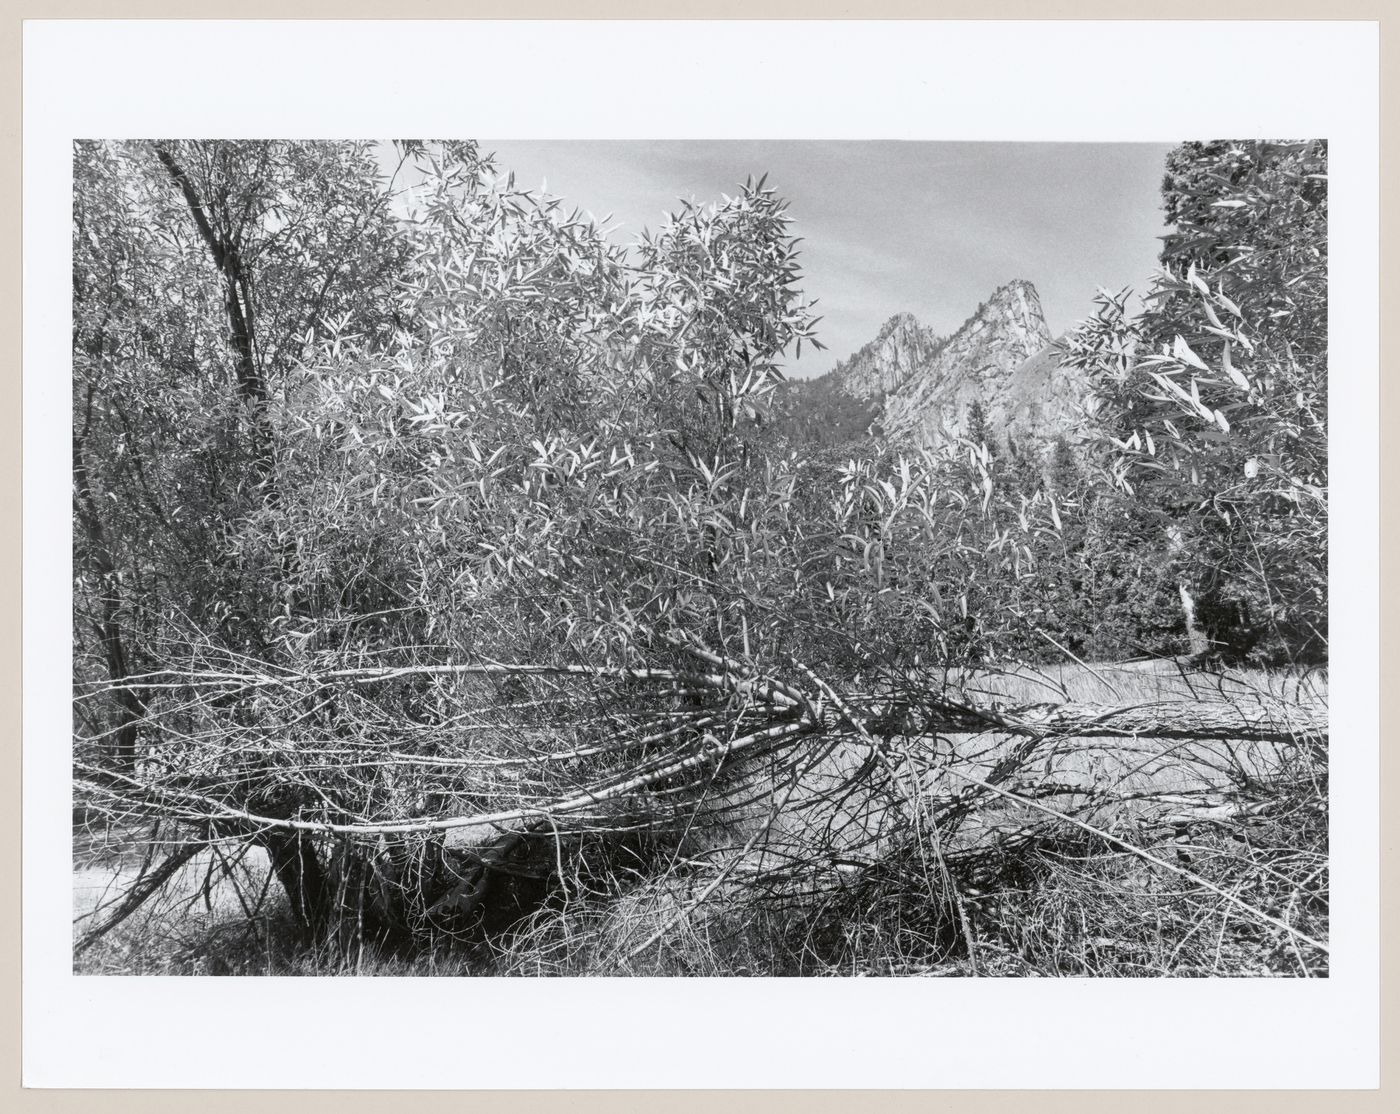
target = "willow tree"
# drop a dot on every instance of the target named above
(201, 271)
(452, 455)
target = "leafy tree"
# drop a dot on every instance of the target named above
(1216, 395)
(505, 440)
(200, 272)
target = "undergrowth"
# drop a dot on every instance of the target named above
(1074, 876)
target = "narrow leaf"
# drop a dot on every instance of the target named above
(1182, 351)
(1235, 375)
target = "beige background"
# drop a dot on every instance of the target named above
(10, 666)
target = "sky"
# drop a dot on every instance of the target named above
(930, 228)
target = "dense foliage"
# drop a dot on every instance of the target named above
(1217, 394)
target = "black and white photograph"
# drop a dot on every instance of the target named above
(790, 567)
(467, 584)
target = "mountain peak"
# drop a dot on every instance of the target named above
(1015, 288)
(895, 324)
(921, 387)
(976, 364)
(899, 349)
(1018, 301)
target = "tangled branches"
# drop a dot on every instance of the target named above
(415, 802)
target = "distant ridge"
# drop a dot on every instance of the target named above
(909, 384)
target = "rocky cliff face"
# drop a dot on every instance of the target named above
(978, 364)
(899, 350)
(1001, 358)
(1044, 400)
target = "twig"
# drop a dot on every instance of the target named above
(718, 880)
(139, 894)
(1148, 856)
(1064, 649)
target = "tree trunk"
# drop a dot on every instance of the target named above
(130, 707)
(252, 384)
(1199, 644)
(298, 869)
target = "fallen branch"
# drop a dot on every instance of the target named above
(1147, 856)
(1261, 722)
(140, 892)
